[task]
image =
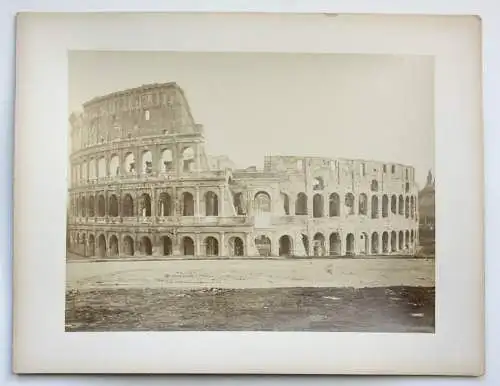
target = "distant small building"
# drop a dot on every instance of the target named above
(426, 203)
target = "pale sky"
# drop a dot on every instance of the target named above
(376, 107)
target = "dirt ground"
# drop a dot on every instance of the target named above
(396, 309)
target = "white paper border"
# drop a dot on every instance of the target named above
(41, 345)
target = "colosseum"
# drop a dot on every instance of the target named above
(142, 184)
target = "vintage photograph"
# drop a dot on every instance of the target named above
(250, 192)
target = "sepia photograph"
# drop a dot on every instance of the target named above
(250, 192)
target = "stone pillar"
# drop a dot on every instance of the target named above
(197, 201)
(222, 244)
(106, 204)
(343, 243)
(157, 245)
(197, 244)
(248, 243)
(153, 204)
(176, 244)
(275, 245)
(221, 201)
(326, 205)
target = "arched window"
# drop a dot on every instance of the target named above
(285, 246)
(319, 245)
(335, 244)
(301, 204)
(129, 163)
(102, 245)
(128, 246)
(374, 186)
(113, 207)
(211, 204)
(263, 245)
(349, 203)
(145, 205)
(113, 246)
(211, 246)
(165, 205)
(91, 207)
(334, 205)
(350, 244)
(147, 162)
(127, 206)
(187, 246)
(146, 247)
(363, 204)
(101, 206)
(236, 246)
(188, 159)
(262, 202)
(239, 204)
(374, 206)
(166, 161)
(394, 204)
(318, 205)
(385, 206)
(114, 166)
(394, 241)
(401, 205)
(401, 240)
(167, 246)
(385, 242)
(375, 248)
(187, 204)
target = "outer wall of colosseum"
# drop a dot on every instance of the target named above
(142, 184)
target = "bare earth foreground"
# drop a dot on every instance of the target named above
(379, 295)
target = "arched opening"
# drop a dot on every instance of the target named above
(146, 248)
(349, 203)
(374, 186)
(363, 204)
(301, 204)
(113, 206)
(187, 204)
(335, 244)
(188, 159)
(407, 187)
(350, 244)
(412, 237)
(401, 205)
(128, 246)
(113, 246)
(187, 246)
(319, 245)
(166, 161)
(101, 168)
(318, 183)
(145, 205)
(263, 245)
(375, 246)
(211, 246)
(129, 163)
(91, 249)
(127, 206)
(364, 243)
(318, 205)
(239, 204)
(407, 240)
(385, 206)
(385, 242)
(211, 204)
(262, 203)
(91, 207)
(334, 205)
(114, 166)
(236, 246)
(412, 207)
(394, 241)
(285, 245)
(165, 205)
(101, 206)
(92, 169)
(102, 245)
(286, 203)
(407, 207)
(167, 245)
(401, 241)
(394, 204)
(147, 162)
(374, 206)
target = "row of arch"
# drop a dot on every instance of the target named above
(99, 167)
(110, 248)
(92, 207)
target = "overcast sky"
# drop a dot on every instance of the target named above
(251, 105)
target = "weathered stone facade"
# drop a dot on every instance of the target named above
(142, 184)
